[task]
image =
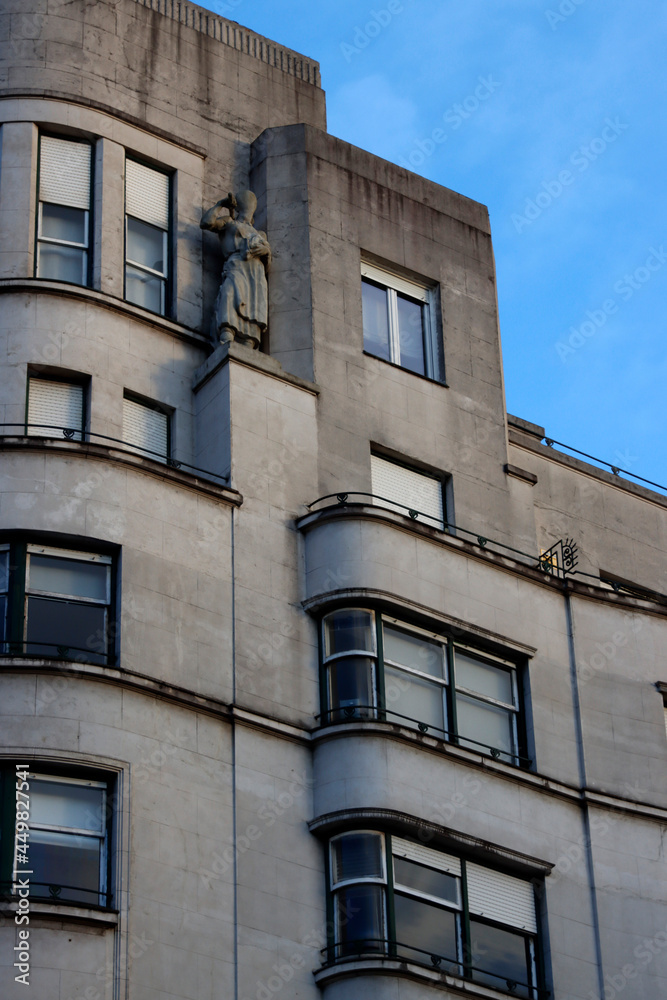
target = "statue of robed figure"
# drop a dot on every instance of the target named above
(241, 308)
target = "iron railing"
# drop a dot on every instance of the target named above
(546, 563)
(54, 890)
(56, 651)
(80, 436)
(372, 713)
(369, 948)
(615, 469)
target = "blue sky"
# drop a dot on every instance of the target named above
(552, 113)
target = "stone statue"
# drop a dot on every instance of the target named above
(241, 308)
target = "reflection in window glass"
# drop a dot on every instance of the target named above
(503, 953)
(349, 630)
(67, 840)
(411, 334)
(376, 320)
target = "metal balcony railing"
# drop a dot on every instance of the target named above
(369, 948)
(76, 434)
(372, 713)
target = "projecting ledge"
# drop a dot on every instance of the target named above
(382, 972)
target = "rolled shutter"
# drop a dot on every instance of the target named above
(64, 172)
(508, 900)
(147, 194)
(413, 489)
(425, 856)
(57, 406)
(145, 429)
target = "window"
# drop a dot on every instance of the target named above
(413, 492)
(63, 222)
(56, 602)
(146, 428)
(375, 667)
(55, 408)
(400, 324)
(403, 900)
(147, 198)
(65, 853)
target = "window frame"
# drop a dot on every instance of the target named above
(87, 246)
(14, 641)
(440, 520)
(81, 382)
(424, 292)
(380, 709)
(165, 276)
(35, 770)
(161, 408)
(462, 964)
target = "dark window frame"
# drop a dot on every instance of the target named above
(464, 963)
(379, 708)
(31, 771)
(14, 639)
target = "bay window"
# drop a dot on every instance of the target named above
(400, 899)
(375, 667)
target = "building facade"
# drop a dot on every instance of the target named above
(319, 673)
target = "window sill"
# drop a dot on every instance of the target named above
(66, 912)
(408, 371)
(395, 967)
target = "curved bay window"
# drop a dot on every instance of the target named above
(55, 602)
(399, 899)
(375, 667)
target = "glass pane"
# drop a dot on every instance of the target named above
(360, 920)
(411, 334)
(412, 651)
(486, 724)
(418, 699)
(494, 682)
(376, 320)
(55, 803)
(413, 876)
(64, 628)
(65, 866)
(3, 622)
(346, 630)
(357, 855)
(62, 223)
(503, 953)
(144, 289)
(146, 245)
(72, 577)
(4, 563)
(423, 929)
(61, 263)
(350, 688)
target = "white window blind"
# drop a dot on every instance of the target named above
(411, 288)
(147, 194)
(146, 429)
(425, 856)
(56, 406)
(504, 898)
(405, 486)
(64, 172)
